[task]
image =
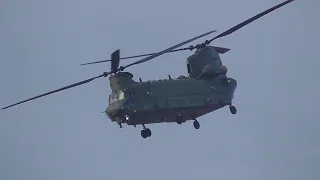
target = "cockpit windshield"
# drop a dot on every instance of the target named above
(121, 95)
(116, 97)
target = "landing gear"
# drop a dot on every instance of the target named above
(119, 123)
(179, 119)
(196, 124)
(233, 109)
(145, 132)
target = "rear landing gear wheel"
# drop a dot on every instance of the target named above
(196, 124)
(143, 134)
(146, 133)
(233, 109)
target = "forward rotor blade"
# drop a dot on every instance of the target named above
(235, 28)
(168, 50)
(61, 89)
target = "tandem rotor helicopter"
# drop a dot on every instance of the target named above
(206, 89)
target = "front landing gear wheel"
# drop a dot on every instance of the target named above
(233, 109)
(179, 119)
(196, 124)
(146, 133)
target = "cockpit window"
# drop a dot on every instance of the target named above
(116, 97)
(121, 95)
(112, 99)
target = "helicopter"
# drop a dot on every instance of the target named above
(205, 89)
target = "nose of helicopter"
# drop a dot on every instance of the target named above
(120, 107)
(114, 108)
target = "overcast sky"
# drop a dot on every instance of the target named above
(274, 135)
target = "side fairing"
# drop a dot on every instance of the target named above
(184, 93)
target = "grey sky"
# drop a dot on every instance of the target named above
(275, 134)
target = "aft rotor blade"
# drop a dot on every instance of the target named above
(115, 60)
(235, 28)
(167, 50)
(61, 89)
(220, 50)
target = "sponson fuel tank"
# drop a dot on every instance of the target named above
(206, 60)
